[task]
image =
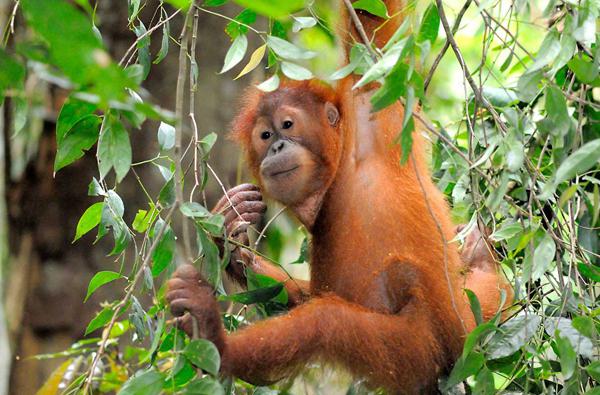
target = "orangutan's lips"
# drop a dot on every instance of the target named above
(282, 172)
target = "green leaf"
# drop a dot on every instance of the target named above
(239, 25)
(11, 73)
(303, 22)
(194, 210)
(528, 85)
(133, 9)
(393, 88)
(590, 272)
(506, 231)
(375, 7)
(182, 4)
(303, 251)
(99, 279)
(585, 71)
(101, 319)
(593, 370)
(257, 281)
(75, 49)
(578, 162)
(260, 295)
(548, 51)
(166, 196)
(514, 334)
(475, 306)
(166, 136)
(272, 9)
(214, 3)
(543, 256)
(390, 60)
(270, 84)
(89, 220)
(114, 149)
(149, 382)
(236, 53)
(287, 50)
(72, 111)
(557, 113)
(112, 216)
(143, 48)
(465, 367)
(144, 218)
(207, 142)
(579, 343)
(164, 43)
(430, 25)
(204, 355)
(295, 72)
(163, 254)
(568, 358)
(81, 137)
(213, 224)
(204, 386)
(585, 326)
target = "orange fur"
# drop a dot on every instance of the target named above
(386, 283)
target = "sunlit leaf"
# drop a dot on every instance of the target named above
(205, 386)
(236, 53)
(270, 84)
(203, 354)
(287, 50)
(513, 335)
(375, 7)
(273, 9)
(295, 72)
(255, 59)
(166, 136)
(78, 139)
(99, 279)
(89, 220)
(430, 25)
(149, 382)
(114, 149)
(303, 22)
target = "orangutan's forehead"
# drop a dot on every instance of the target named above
(272, 101)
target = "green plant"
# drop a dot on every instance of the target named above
(516, 150)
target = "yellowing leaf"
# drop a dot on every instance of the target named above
(255, 59)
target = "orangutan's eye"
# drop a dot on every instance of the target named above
(265, 135)
(287, 124)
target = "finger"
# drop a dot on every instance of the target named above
(177, 283)
(224, 201)
(181, 293)
(237, 227)
(252, 217)
(184, 323)
(459, 228)
(244, 208)
(180, 306)
(187, 272)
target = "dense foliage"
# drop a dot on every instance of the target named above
(509, 94)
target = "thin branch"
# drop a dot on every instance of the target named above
(360, 28)
(477, 92)
(125, 300)
(183, 38)
(440, 55)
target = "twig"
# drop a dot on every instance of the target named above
(193, 88)
(183, 38)
(125, 300)
(476, 91)
(440, 55)
(263, 231)
(360, 28)
(148, 32)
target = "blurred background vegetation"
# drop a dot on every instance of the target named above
(529, 173)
